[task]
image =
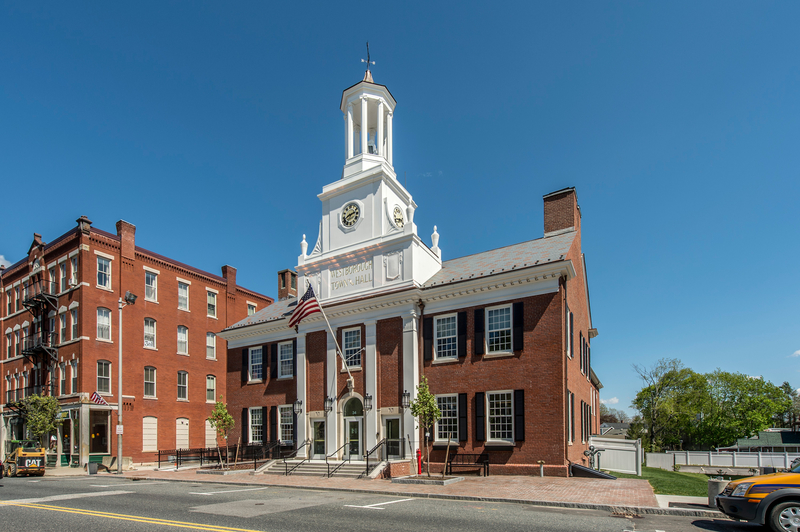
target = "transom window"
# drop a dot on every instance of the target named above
(212, 304)
(183, 296)
(256, 425)
(256, 373)
(103, 376)
(499, 330)
(103, 324)
(501, 416)
(104, 272)
(183, 339)
(285, 362)
(352, 348)
(211, 345)
(183, 385)
(150, 333)
(149, 382)
(446, 339)
(287, 424)
(447, 426)
(150, 286)
(211, 388)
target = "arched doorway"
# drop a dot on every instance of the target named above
(353, 414)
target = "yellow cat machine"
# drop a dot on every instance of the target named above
(24, 457)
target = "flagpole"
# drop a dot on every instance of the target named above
(338, 349)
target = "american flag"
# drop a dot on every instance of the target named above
(307, 305)
(97, 399)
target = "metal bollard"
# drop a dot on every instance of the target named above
(541, 468)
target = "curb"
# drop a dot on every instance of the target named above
(617, 510)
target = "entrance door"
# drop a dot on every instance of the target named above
(353, 432)
(318, 434)
(393, 441)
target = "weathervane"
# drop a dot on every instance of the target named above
(367, 61)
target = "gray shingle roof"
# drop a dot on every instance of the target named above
(770, 439)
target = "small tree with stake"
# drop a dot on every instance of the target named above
(427, 412)
(222, 422)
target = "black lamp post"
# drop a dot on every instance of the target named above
(298, 407)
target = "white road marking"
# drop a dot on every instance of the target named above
(67, 496)
(224, 491)
(374, 506)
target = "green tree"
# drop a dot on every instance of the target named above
(427, 412)
(40, 413)
(222, 422)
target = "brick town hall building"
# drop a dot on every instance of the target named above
(502, 336)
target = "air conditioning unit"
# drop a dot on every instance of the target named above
(73, 283)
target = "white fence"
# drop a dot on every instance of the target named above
(623, 456)
(720, 459)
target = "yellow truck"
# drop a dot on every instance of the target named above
(772, 500)
(24, 457)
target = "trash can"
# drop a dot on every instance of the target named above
(93, 469)
(716, 485)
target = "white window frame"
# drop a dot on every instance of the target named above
(213, 389)
(285, 428)
(250, 373)
(180, 285)
(152, 287)
(74, 274)
(107, 262)
(99, 324)
(74, 316)
(510, 330)
(53, 279)
(62, 329)
(211, 308)
(185, 342)
(74, 377)
(251, 309)
(154, 345)
(352, 352)
(104, 378)
(436, 337)
(283, 355)
(185, 386)
(152, 395)
(255, 412)
(62, 270)
(9, 346)
(568, 327)
(62, 384)
(454, 436)
(489, 416)
(211, 345)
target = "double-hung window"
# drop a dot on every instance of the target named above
(501, 416)
(183, 386)
(183, 340)
(63, 384)
(212, 304)
(74, 313)
(9, 305)
(446, 338)
(256, 425)
(211, 346)
(352, 348)
(104, 272)
(149, 381)
(285, 360)
(211, 388)
(53, 281)
(74, 272)
(63, 272)
(63, 330)
(16, 343)
(150, 333)
(103, 376)
(16, 298)
(103, 324)
(183, 296)
(447, 426)
(251, 309)
(74, 367)
(150, 286)
(287, 424)
(256, 368)
(9, 346)
(498, 329)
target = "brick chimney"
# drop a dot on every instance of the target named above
(126, 232)
(561, 211)
(229, 273)
(287, 284)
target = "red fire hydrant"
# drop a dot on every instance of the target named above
(419, 462)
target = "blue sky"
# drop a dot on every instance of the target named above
(213, 126)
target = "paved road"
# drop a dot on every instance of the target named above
(94, 504)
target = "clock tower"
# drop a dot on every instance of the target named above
(367, 240)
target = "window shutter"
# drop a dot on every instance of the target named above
(462, 341)
(294, 357)
(273, 361)
(478, 345)
(462, 416)
(273, 423)
(480, 421)
(427, 338)
(588, 358)
(572, 416)
(245, 365)
(518, 311)
(580, 337)
(245, 424)
(264, 425)
(519, 415)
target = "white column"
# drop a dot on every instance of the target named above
(371, 383)
(349, 131)
(379, 139)
(301, 435)
(332, 421)
(364, 124)
(85, 434)
(410, 375)
(389, 137)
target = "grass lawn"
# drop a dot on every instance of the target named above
(673, 482)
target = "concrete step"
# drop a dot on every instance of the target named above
(348, 470)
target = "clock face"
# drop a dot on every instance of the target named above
(350, 215)
(398, 217)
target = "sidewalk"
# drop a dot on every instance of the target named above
(632, 496)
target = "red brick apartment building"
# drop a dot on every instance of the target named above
(59, 315)
(503, 336)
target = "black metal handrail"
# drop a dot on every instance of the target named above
(39, 339)
(336, 453)
(380, 444)
(36, 289)
(266, 450)
(12, 396)
(288, 471)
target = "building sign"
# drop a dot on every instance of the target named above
(351, 278)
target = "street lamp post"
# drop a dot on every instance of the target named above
(130, 299)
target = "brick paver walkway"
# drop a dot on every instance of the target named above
(577, 491)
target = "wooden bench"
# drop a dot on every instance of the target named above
(469, 461)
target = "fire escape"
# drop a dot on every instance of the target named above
(39, 344)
